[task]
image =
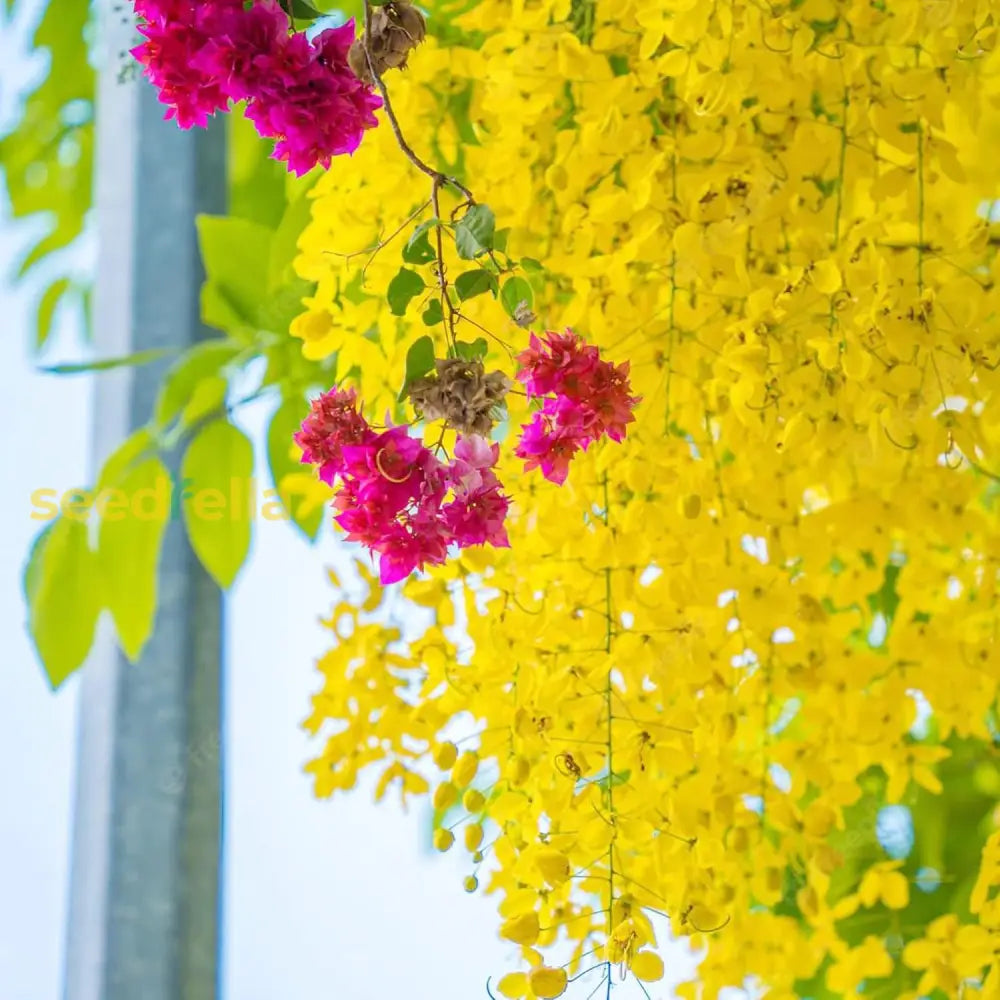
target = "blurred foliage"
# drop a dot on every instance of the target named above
(48, 157)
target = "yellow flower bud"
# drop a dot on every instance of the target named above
(647, 966)
(473, 836)
(470, 883)
(473, 800)
(547, 983)
(445, 796)
(443, 839)
(444, 755)
(478, 857)
(465, 769)
(522, 929)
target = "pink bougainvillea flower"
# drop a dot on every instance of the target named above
(391, 489)
(177, 33)
(202, 55)
(477, 517)
(410, 546)
(554, 436)
(472, 465)
(559, 364)
(332, 425)
(585, 398)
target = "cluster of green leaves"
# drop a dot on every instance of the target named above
(85, 562)
(491, 271)
(48, 157)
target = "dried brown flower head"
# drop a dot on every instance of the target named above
(462, 394)
(397, 27)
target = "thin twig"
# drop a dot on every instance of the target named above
(381, 244)
(447, 307)
(436, 175)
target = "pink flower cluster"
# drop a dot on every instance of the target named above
(202, 54)
(393, 491)
(584, 398)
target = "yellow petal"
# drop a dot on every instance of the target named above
(647, 966)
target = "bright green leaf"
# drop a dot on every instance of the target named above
(418, 249)
(419, 362)
(33, 567)
(531, 265)
(302, 11)
(474, 232)
(62, 584)
(514, 292)
(105, 364)
(286, 421)
(403, 287)
(472, 352)
(181, 382)
(136, 447)
(208, 399)
(284, 242)
(218, 466)
(128, 550)
(469, 284)
(433, 314)
(236, 254)
(47, 307)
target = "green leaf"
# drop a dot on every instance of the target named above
(500, 239)
(403, 287)
(301, 11)
(433, 314)
(469, 284)
(531, 265)
(47, 307)
(474, 232)
(137, 446)
(33, 571)
(105, 364)
(284, 242)
(419, 362)
(418, 249)
(128, 550)
(286, 421)
(62, 585)
(180, 383)
(282, 305)
(218, 466)
(236, 254)
(472, 352)
(209, 397)
(614, 780)
(514, 292)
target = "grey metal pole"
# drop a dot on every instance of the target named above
(145, 885)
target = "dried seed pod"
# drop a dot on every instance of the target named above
(523, 316)
(397, 28)
(460, 393)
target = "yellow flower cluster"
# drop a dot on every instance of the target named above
(702, 651)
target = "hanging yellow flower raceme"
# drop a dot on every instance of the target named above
(711, 658)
